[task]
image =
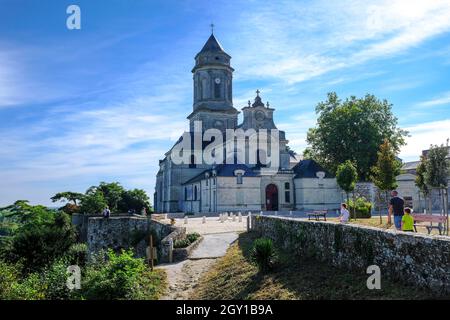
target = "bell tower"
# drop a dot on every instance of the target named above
(213, 88)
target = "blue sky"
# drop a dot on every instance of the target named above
(105, 102)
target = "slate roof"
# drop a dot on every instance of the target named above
(212, 45)
(308, 169)
(407, 166)
(224, 170)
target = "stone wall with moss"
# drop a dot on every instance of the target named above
(416, 259)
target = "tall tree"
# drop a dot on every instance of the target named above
(347, 176)
(93, 202)
(386, 169)
(69, 196)
(438, 170)
(353, 130)
(420, 178)
(112, 193)
(136, 200)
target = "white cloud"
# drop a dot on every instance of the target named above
(296, 41)
(422, 135)
(442, 100)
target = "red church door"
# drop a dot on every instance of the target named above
(271, 198)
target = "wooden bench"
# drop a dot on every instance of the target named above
(317, 214)
(439, 219)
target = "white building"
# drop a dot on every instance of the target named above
(199, 187)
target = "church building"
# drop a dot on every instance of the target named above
(196, 186)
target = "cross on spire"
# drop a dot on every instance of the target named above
(257, 92)
(212, 28)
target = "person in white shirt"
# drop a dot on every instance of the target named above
(343, 218)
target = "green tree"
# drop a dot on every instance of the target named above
(112, 193)
(38, 243)
(69, 196)
(437, 170)
(420, 178)
(135, 199)
(437, 166)
(346, 177)
(353, 130)
(385, 171)
(93, 202)
(25, 213)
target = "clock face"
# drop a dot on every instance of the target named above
(218, 124)
(260, 116)
(217, 80)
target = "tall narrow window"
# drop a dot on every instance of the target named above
(217, 90)
(239, 178)
(185, 193)
(287, 192)
(195, 192)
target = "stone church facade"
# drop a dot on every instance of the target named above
(196, 186)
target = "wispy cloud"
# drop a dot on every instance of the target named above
(441, 100)
(333, 36)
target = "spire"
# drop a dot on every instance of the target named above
(212, 45)
(258, 102)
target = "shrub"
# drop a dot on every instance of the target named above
(77, 254)
(183, 243)
(12, 287)
(55, 280)
(119, 278)
(39, 244)
(362, 208)
(30, 288)
(192, 237)
(9, 276)
(263, 254)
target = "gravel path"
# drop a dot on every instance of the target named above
(183, 276)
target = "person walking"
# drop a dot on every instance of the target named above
(396, 208)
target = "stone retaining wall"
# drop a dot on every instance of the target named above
(123, 232)
(417, 259)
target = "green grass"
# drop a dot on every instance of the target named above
(234, 276)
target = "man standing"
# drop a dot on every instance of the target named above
(396, 206)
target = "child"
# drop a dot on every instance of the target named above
(408, 221)
(343, 218)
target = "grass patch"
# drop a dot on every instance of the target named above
(234, 276)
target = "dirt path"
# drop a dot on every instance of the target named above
(183, 276)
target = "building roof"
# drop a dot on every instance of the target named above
(309, 169)
(224, 170)
(410, 165)
(212, 45)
